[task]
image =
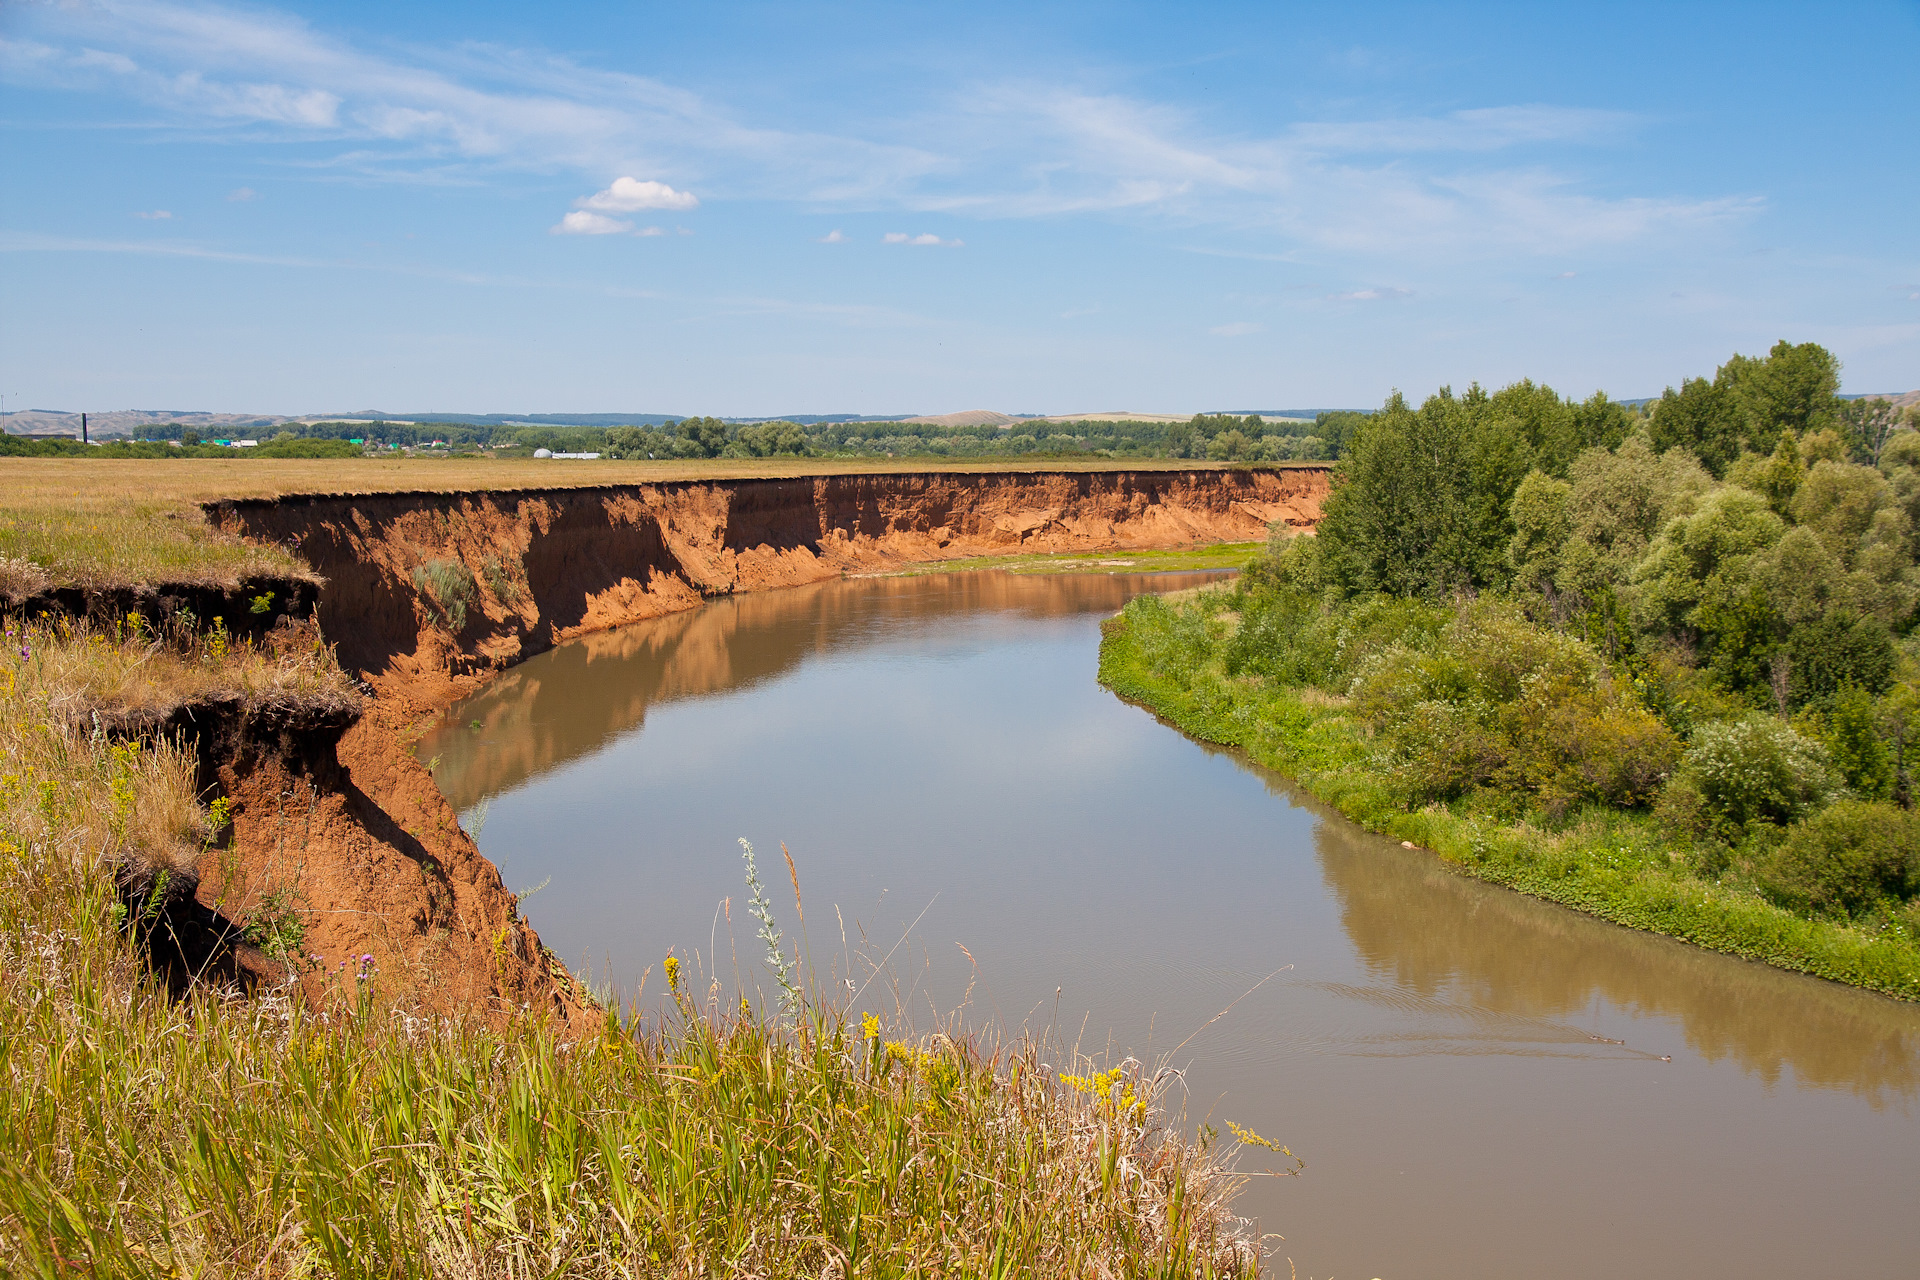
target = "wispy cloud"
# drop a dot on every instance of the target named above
(153, 215)
(833, 237)
(927, 239)
(240, 195)
(1496, 180)
(479, 107)
(1377, 294)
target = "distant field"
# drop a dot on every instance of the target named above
(105, 522)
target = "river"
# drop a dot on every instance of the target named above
(1480, 1084)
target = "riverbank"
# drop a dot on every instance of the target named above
(1611, 863)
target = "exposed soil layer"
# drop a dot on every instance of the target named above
(327, 863)
(421, 587)
(426, 595)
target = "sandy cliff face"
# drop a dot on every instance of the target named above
(547, 565)
(428, 594)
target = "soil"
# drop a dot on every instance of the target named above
(427, 595)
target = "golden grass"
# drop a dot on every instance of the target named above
(130, 674)
(121, 522)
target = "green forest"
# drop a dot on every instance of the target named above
(1659, 665)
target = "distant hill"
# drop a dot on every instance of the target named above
(967, 418)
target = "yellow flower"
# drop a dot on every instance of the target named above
(869, 1027)
(673, 974)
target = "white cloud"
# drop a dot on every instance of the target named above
(833, 237)
(1238, 329)
(651, 231)
(582, 223)
(1565, 275)
(240, 195)
(156, 215)
(631, 195)
(928, 239)
(1371, 295)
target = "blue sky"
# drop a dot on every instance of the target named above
(814, 208)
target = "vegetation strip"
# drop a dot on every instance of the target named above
(1220, 555)
(1606, 864)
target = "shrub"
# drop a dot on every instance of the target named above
(1756, 769)
(448, 585)
(1851, 860)
(1501, 703)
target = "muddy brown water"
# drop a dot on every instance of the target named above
(1481, 1084)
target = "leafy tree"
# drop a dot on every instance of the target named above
(1851, 732)
(706, 435)
(1398, 519)
(1338, 427)
(1541, 527)
(1702, 418)
(1791, 390)
(1704, 559)
(1755, 769)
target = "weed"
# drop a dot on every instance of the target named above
(448, 585)
(276, 927)
(506, 587)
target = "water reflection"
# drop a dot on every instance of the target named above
(574, 700)
(1444, 944)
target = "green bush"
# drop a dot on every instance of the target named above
(1500, 703)
(1854, 859)
(1756, 769)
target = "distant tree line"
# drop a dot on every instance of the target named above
(1204, 437)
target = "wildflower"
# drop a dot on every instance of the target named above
(869, 1027)
(673, 974)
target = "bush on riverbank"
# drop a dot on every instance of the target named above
(1623, 864)
(1544, 626)
(220, 1136)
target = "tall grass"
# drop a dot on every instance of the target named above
(216, 1136)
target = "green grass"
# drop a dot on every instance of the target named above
(1610, 863)
(220, 1136)
(1219, 555)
